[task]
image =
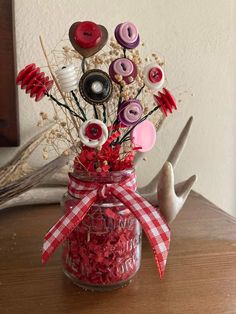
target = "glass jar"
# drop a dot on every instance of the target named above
(104, 251)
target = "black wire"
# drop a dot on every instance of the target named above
(83, 65)
(65, 106)
(104, 113)
(95, 111)
(78, 104)
(139, 91)
(124, 50)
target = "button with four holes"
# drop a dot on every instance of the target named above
(154, 76)
(93, 133)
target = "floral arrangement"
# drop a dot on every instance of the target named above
(108, 102)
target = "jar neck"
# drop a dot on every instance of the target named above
(103, 177)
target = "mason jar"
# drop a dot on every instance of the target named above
(104, 251)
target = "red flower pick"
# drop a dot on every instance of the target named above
(34, 81)
(166, 101)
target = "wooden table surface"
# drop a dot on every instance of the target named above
(200, 275)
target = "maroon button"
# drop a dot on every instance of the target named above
(93, 131)
(87, 34)
(125, 68)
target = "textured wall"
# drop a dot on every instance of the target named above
(197, 39)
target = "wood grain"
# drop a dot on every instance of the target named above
(200, 275)
(9, 128)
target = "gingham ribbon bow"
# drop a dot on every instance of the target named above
(88, 193)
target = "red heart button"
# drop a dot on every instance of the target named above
(87, 37)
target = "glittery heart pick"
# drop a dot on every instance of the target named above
(87, 37)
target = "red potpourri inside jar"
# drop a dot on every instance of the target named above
(104, 251)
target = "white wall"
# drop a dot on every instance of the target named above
(197, 38)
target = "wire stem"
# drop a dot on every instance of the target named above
(124, 50)
(104, 113)
(65, 106)
(95, 111)
(139, 91)
(78, 105)
(83, 65)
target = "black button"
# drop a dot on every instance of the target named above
(95, 86)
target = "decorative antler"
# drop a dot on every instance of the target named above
(171, 198)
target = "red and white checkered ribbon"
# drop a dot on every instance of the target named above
(88, 193)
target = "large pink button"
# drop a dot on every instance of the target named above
(123, 67)
(144, 136)
(128, 32)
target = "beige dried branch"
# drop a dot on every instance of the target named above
(17, 166)
(26, 183)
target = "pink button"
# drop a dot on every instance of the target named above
(132, 112)
(123, 67)
(155, 75)
(128, 32)
(144, 135)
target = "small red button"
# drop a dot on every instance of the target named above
(155, 75)
(93, 131)
(87, 34)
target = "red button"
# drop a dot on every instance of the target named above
(93, 131)
(87, 34)
(155, 75)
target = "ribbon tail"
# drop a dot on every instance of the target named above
(153, 224)
(66, 224)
